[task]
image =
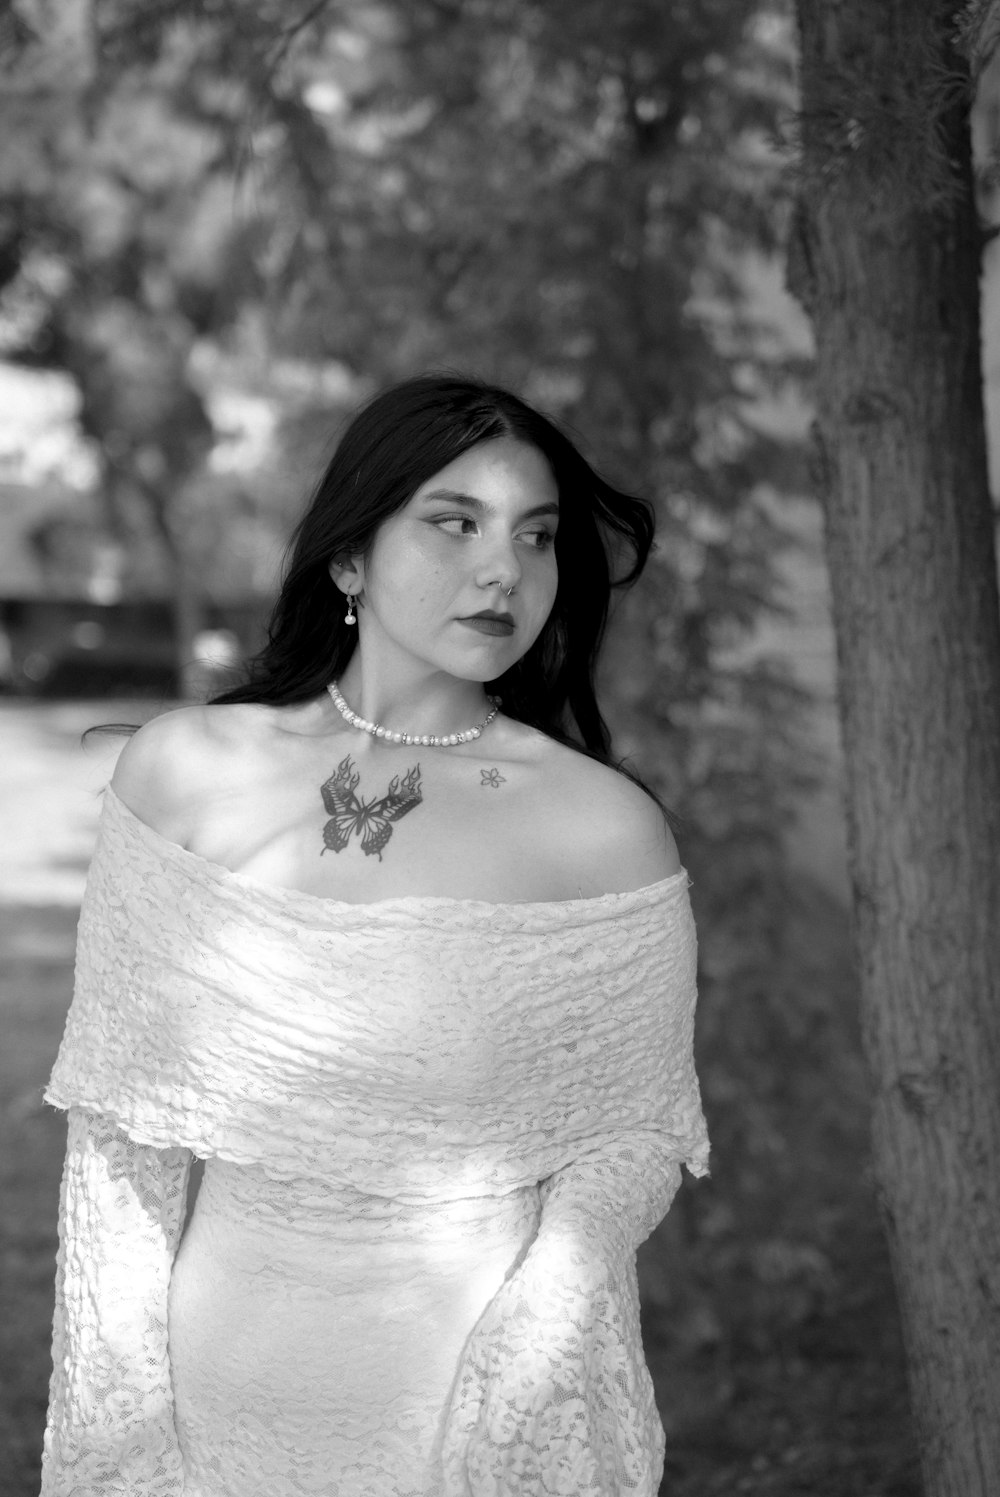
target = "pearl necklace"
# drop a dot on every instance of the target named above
(425, 740)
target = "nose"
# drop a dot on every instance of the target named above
(502, 568)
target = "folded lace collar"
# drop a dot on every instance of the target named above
(424, 1047)
(137, 833)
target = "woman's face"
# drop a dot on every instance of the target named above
(437, 578)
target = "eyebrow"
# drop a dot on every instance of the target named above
(480, 506)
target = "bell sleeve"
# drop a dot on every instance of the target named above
(553, 1397)
(110, 1428)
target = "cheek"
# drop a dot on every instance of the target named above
(549, 584)
(412, 589)
(543, 597)
(401, 569)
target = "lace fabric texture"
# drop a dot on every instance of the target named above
(111, 1412)
(436, 1132)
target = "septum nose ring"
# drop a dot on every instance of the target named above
(508, 592)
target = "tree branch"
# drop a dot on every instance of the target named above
(294, 28)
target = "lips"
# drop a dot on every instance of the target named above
(488, 622)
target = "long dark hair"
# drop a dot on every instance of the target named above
(398, 441)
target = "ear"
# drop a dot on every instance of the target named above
(348, 572)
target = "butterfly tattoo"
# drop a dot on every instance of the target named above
(370, 820)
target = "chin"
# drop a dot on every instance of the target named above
(493, 666)
(488, 671)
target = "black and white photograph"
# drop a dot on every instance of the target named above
(499, 748)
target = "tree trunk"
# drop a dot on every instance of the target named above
(886, 260)
(186, 610)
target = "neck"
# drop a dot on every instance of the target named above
(434, 703)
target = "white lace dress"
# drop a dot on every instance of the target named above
(435, 1130)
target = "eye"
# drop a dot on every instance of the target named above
(539, 540)
(455, 524)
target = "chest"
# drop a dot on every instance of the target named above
(362, 829)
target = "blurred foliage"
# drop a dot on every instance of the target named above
(558, 195)
(200, 202)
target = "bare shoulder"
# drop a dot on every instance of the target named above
(617, 832)
(168, 764)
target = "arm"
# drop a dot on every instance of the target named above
(609, 1202)
(110, 1425)
(553, 1395)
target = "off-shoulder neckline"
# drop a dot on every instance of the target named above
(280, 894)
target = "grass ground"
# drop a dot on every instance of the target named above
(777, 1362)
(36, 975)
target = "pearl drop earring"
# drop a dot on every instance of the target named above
(350, 616)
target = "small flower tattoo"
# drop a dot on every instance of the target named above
(492, 777)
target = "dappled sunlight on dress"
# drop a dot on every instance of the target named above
(295, 1305)
(435, 1132)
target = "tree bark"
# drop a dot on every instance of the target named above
(186, 612)
(886, 259)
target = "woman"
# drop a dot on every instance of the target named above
(385, 940)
